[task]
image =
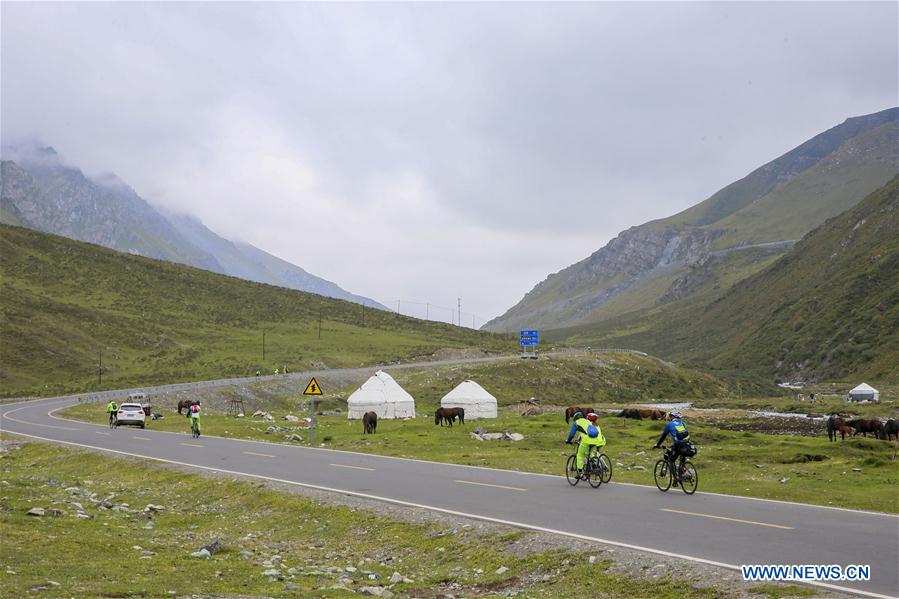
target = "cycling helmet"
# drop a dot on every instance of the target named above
(676, 414)
(592, 417)
(578, 414)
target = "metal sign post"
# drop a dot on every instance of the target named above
(312, 389)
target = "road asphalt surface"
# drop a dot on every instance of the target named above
(717, 529)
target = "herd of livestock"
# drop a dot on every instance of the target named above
(837, 426)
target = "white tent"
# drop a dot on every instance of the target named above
(864, 392)
(382, 395)
(473, 398)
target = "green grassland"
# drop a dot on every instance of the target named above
(119, 552)
(731, 460)
(65, 302)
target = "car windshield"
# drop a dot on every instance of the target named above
(131, 406)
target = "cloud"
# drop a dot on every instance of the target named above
(436, 151)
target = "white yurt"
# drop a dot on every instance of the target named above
(864, 392)
(473, 398)
(382, 395)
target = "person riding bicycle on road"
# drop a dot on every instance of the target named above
(588, 433)
(112, 409)
(680, 437)
(193, 412)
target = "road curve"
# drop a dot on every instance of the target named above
(723, 530)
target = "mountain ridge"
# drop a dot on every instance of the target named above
(41, 192)
(627, 272)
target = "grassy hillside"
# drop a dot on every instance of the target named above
(829, 309)
(64, 302)
(777, 203)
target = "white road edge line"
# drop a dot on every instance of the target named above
(388, 457)
(455, 513)
(190, 445)
(263, 455)
(471, 482)
(143, 438)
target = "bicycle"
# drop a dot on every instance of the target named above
(195, 427)
(113, 420)
(597, 468)
(684, 475)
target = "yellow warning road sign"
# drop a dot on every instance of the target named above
(312, 388)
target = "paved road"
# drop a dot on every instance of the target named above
(723, 530)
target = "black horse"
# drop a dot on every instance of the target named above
(833, 426)
(891, 429)
(184, 404)
(369, 423)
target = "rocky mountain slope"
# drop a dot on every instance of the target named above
(771, 207)
(40, 192)
(828, 309)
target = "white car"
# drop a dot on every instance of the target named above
(131, 413)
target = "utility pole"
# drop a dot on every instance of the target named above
(319, 323)
(397, 308)
(427, 311)
(263, 345)
(363, 314)
(100, 370)
(472, 321)
(460, 311)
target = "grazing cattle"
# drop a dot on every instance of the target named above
(630, 413)
(873, 426)
(844, 430)
(184, 404)
(891, 429)
(369, 423)
(833, 426)
(570, 411)
(448, 415)
(652, 414)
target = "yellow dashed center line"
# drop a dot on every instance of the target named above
(353, 467)
(728, 519)
(471, 482)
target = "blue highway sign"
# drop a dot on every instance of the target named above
(528, 338)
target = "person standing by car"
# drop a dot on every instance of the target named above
(112, 409)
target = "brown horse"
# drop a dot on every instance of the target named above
(570, 411)
(651, 413)
(369, 423)
(891, 429)
(184, 404)
(630, 413)
(844, 430)
(448, 415)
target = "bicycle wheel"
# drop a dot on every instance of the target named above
(594, 472)
(662, 475)
(571, 470)
(606, 464)
(689, 478)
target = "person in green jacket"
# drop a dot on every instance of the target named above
(112, 408)
(588, 433)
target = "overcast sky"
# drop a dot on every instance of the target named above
(426, 152)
